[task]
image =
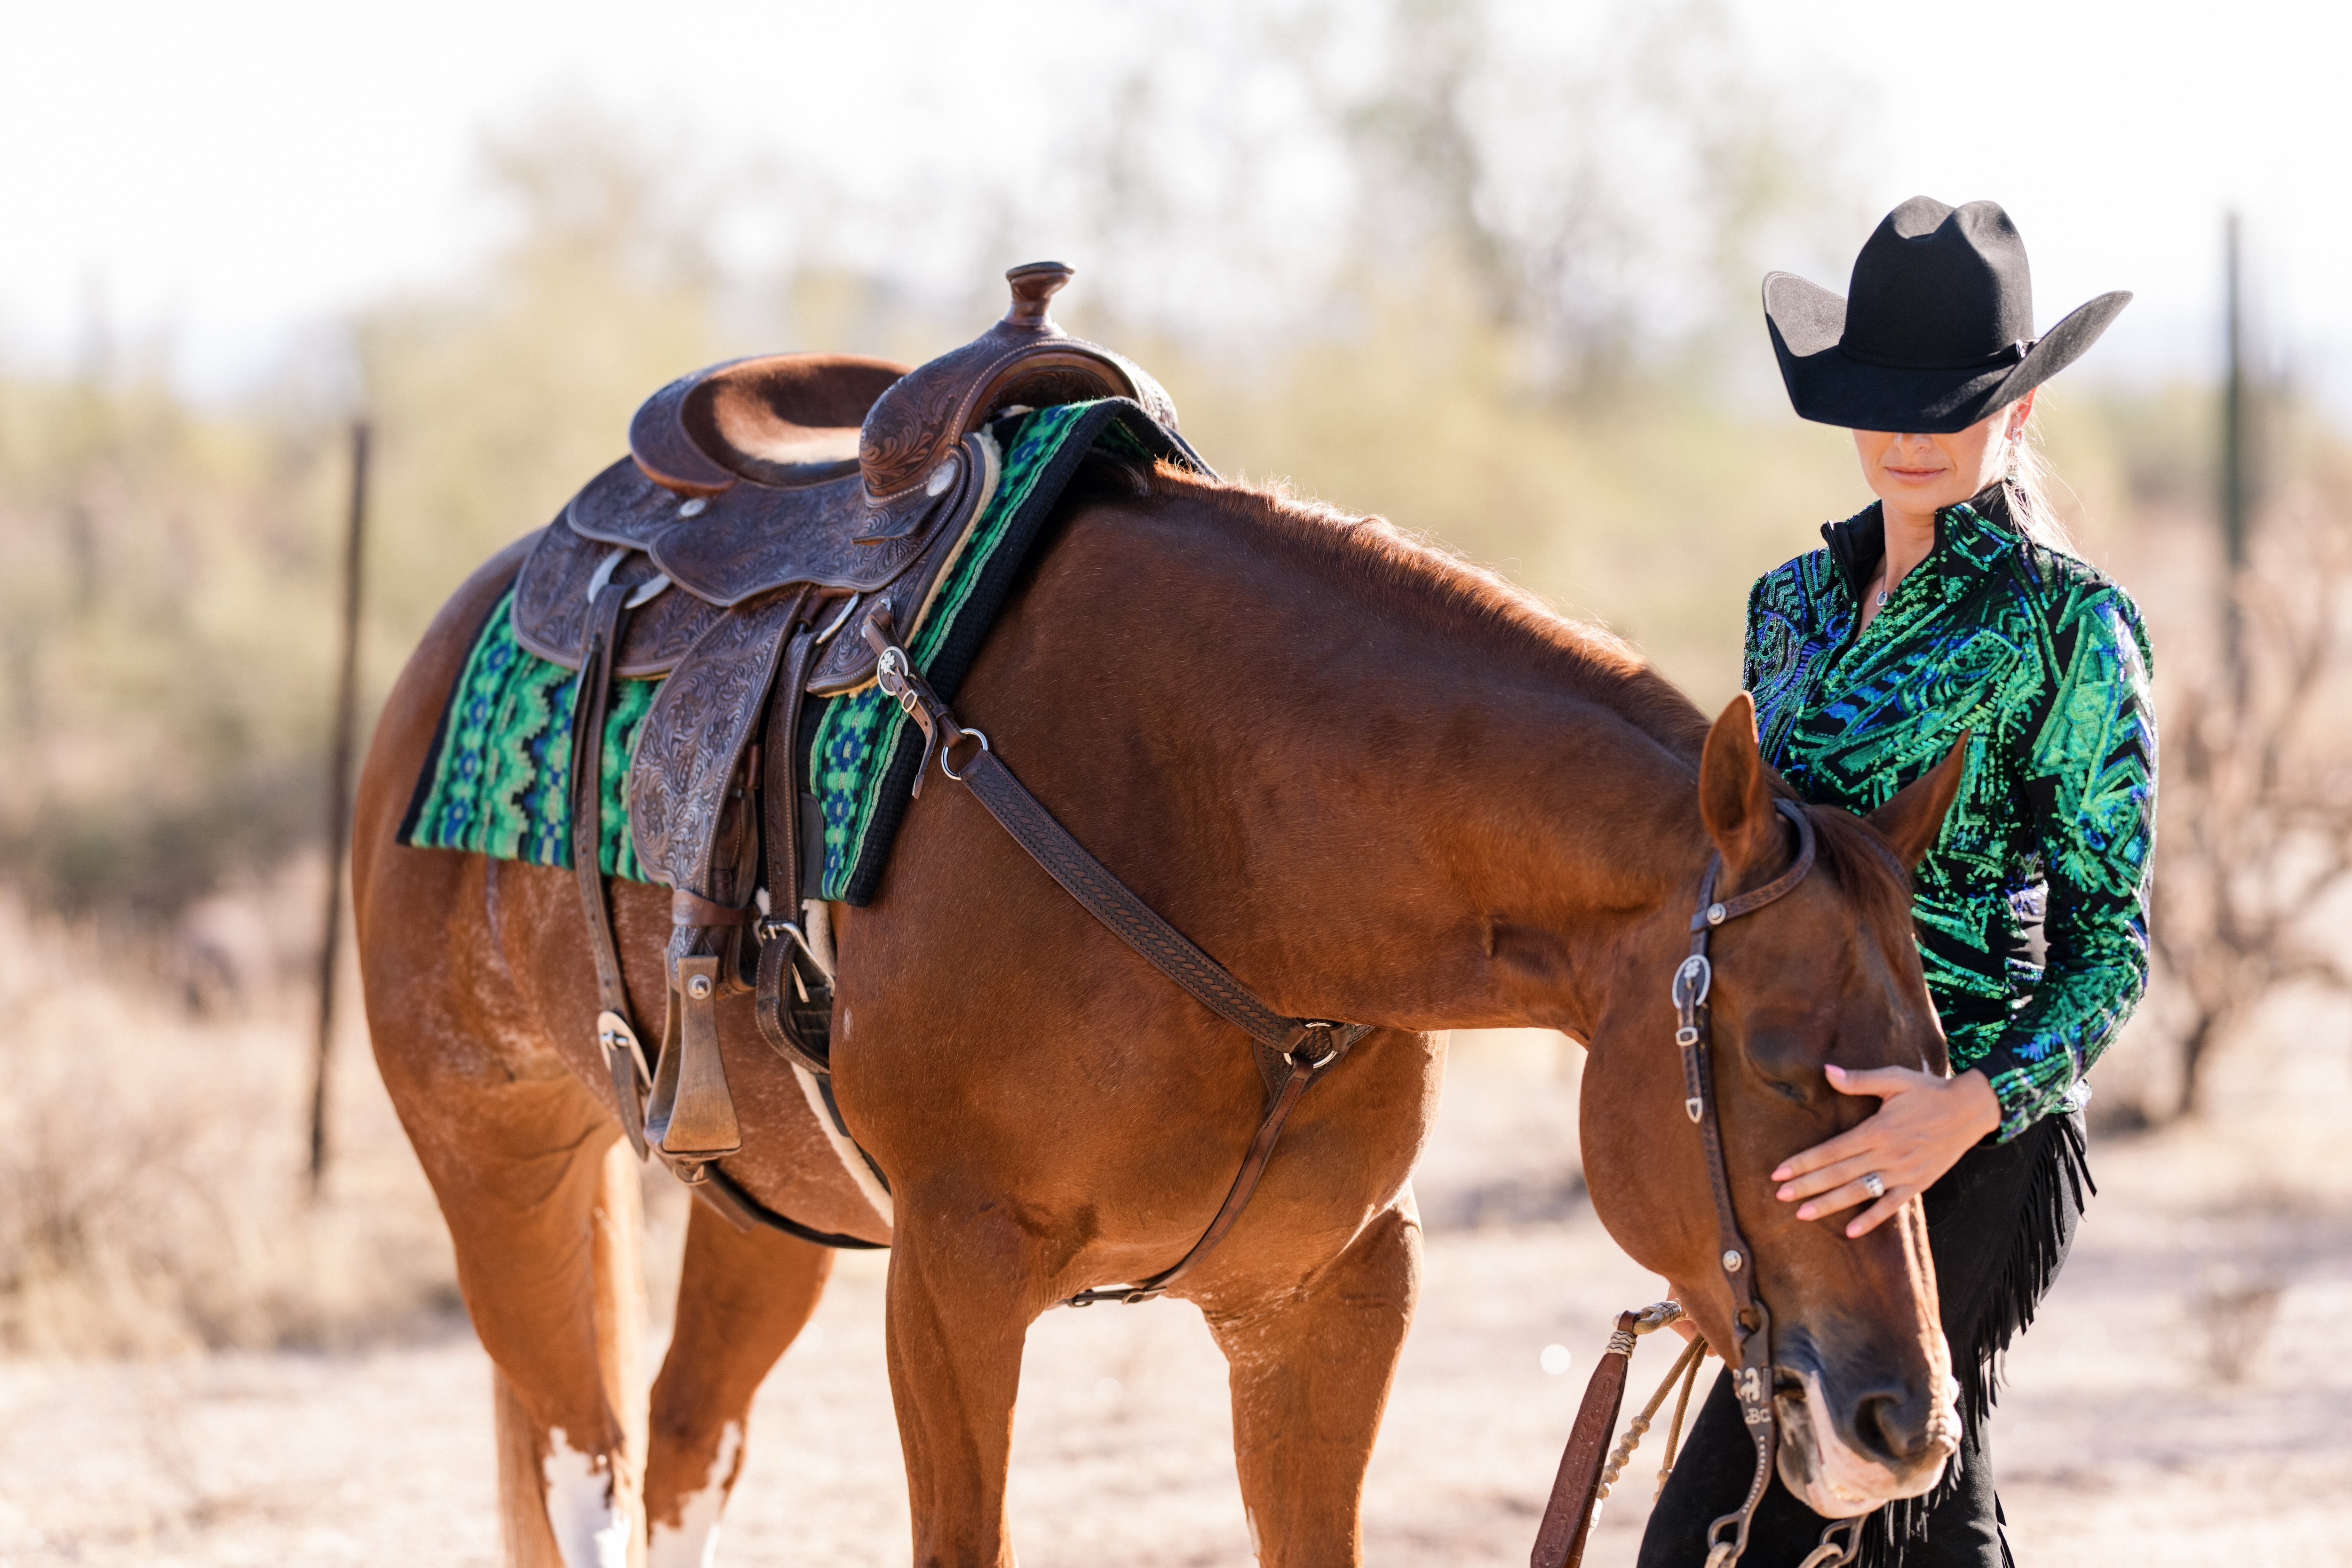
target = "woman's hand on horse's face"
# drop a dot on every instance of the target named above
(1923, 1125)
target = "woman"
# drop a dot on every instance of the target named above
(1952, 607)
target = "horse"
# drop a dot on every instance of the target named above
(1380, 784)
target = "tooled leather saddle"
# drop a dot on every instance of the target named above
(765, 501)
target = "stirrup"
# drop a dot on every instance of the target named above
(692, 1114)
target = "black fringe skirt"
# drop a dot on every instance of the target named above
(2000, 1224)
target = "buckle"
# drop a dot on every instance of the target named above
(1311, 1028)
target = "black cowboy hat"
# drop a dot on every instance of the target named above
(1936, 332)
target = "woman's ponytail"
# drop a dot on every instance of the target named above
(2029, 482)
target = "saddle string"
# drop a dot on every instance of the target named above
(616, 1036)
(1304, 1048)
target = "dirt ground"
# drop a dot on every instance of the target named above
(2154, 1416)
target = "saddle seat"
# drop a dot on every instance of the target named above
(785, 420)
(794, 421)
(836, 471)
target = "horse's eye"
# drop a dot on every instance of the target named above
(1789, 1059)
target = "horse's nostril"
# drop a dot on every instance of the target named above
(1891, 1427)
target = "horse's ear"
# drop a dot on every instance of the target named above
(1913, 818)
(1735, 791)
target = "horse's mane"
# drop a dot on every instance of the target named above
(1409, 577)
(1412, 578)
(1862, 863)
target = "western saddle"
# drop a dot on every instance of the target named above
(764, 502)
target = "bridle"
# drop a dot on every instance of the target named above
(1751, 1321)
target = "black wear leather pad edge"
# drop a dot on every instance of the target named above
(954, 658)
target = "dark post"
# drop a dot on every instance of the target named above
(2234, 461)
(339, 795)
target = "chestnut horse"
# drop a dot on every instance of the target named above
(1377, 786)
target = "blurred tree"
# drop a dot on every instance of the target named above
(167, 572)
(2254, 845)
(497, 398)
(1616, 189)
(155, 566)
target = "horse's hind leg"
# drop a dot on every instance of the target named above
(538, 1481)
(742, 1298)
(1311, 1364)
(542, 1204)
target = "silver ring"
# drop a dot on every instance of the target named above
(967, 735)
(1873, 1183)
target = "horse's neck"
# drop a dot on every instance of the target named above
(1372, 813)
(1523, 837)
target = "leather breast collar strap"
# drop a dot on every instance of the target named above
(1751, 1378)
(1304, 1048)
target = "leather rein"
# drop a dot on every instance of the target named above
(1293, 1052)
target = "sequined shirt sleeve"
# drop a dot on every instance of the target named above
(2089, 779)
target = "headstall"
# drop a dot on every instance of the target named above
(1751, 1323)
(1567, 1519)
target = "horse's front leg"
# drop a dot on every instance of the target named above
(1312, 1360)
(964, 1286)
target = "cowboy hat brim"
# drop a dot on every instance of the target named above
(1830, 386)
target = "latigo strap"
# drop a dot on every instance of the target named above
(625, 1055)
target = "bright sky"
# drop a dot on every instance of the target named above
(248, 169)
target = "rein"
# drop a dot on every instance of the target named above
(1293, 1052)
(1568, 1519)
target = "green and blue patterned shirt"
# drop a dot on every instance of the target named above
(2031, 907)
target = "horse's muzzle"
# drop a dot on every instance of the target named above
(1845, 1454)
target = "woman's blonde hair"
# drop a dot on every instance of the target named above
(2029, 482)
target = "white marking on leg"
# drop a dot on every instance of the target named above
(1257, 1547)
(693, 1541)
(590, 1528)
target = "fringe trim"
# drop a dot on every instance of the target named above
(2061, 1181)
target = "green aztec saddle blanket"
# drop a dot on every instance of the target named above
(496, 781)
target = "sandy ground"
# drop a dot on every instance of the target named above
(2121, 1439)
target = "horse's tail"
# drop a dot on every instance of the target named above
(618, 1224)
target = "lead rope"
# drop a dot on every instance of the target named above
(1830, 1553)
